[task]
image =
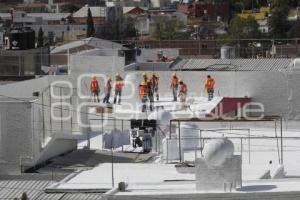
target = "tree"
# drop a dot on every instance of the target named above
(90, 31)
(170, 30)
(239, 30)
(294, 32)
(284, 3)
(278, 22)
(243, 28)
(40, 42)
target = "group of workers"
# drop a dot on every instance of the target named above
(148, 89)
(95, 89)
(176, 83)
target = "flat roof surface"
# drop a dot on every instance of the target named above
(155, 179)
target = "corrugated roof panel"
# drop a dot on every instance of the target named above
(234, 64)
(17, 193)
(15, 188)
(54, 196)
(82, 196)
(34, 189)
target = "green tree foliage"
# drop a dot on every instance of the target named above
(284, 3)
(294, 32)
(90, 31)
(278, 22)
(170, 30)
(119, 30)
(40, 39)
(243, 28)
(239, 30)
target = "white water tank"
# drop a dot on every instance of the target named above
(227, 52)
(217, 151)
(296, 65)
(189, 134)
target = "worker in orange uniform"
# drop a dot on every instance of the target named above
(143, 95)
(95, 89)
(182, 91)
(107, 91)
(150, 94)
(118, 88)
(174, 86)
(154, 81)
(209, 87)
(145, 77)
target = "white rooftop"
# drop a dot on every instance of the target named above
(158, 179)
(50, 16)
(95, 10)
(94, 42)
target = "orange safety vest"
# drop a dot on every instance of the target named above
(119, 85)
(94, 86)
(210, 83)
(183, 88)
(143, 90)
(174, 82)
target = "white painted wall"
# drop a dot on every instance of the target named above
(96, 64)
(19, 143)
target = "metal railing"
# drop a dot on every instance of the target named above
(244, 146)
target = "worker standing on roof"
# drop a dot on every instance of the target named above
(174, 86)
(182, 91)
(107, 90)
(95, 89)
(118, 88)
(154, 81)
(145, 77)
(143, 95)
(209, 87)
(150, 94)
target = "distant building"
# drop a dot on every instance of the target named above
(210, 11)
(60, 54)
(54, 25)
(162, 16)
(20, 63)
(160, 3)
(261, 16)
(32, 7)
(133, 11)
(100, 14)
